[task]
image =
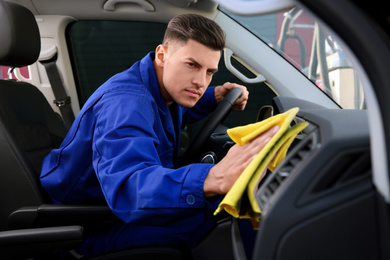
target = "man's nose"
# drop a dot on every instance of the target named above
(200, 79)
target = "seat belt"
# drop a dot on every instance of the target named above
(62, 100)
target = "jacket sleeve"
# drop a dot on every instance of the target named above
(128, 158)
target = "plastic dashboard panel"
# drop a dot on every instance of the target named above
(320, 202)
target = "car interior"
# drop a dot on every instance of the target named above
(328, 199)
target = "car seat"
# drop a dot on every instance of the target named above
(29, 129)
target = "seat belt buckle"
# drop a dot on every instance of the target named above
(62, 102)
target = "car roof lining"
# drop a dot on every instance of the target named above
(126, 10)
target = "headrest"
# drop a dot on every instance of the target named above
(20, 41)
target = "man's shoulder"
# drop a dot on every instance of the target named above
(129, 85)
(124, 83)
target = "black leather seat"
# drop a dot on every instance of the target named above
(29, 129)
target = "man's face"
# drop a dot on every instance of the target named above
(186, 71)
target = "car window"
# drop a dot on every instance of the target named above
(3, 72)
(311, 50)
(101, 49)
(7, 72)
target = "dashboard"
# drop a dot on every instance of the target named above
(320, 196)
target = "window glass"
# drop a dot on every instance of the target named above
(312, 50)
(4, 72)
(104, 48)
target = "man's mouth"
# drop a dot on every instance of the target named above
(193, 93)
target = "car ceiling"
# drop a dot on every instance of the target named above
(156, 10)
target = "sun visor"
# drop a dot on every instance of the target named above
(242, 7)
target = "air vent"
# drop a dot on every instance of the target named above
(294, 158)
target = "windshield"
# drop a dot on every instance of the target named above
(311, 50)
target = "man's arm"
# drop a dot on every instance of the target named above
(210, 100)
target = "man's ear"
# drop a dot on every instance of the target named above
(161, 55)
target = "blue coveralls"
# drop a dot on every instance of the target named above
(122, 149)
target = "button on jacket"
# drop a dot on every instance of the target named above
(121, 149)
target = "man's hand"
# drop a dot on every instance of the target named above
(223, 175)
(221, 91)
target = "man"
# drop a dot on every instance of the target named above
(122, 147)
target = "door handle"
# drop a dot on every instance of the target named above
(227, 56)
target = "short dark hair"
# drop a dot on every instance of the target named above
(195, 27)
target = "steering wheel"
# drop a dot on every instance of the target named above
(220, 113)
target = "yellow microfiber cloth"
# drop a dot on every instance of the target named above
(235, 202)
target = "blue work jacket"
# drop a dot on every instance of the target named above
(121, 149)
